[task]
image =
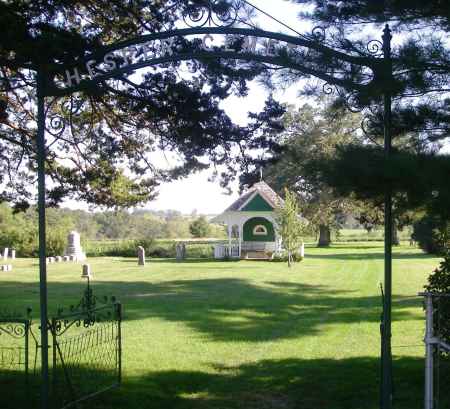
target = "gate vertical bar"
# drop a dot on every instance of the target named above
(119, 317)
(54, 357)
(386, 356)
(429, 351)
(40, 142)
(27, 346)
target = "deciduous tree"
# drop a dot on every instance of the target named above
(312, 133)
(291, 227)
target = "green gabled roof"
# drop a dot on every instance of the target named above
(258, 204)
(261, 196)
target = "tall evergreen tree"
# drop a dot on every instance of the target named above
(421, 103)
(421, 55)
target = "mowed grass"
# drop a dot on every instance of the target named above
(206, 334)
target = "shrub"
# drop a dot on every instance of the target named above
(162, 252)
(432, 234)
(439, 282)
(283, 257)
(147, 244)
(200, 251)
(125, 248)
(56, 241)
(200, 227)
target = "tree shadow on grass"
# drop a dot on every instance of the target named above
(351, 383)
(237, 310)
(234, 310)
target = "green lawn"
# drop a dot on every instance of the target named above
(204, 334)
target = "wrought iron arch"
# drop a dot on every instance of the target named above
(218, 17)
(136, 49)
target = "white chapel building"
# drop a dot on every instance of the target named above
(251, 225)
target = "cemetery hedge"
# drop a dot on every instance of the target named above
(153, 248)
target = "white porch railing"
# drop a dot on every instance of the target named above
(222, 251)
(259, 246)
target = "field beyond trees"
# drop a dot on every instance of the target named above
(255, 335)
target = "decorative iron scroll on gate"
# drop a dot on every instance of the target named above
(86, 350)
(18, 352)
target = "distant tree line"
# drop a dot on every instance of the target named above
(19, 230)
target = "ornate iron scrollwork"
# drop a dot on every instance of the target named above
(318, 33)
(15, 330)
(14, 324)
(218, 13)
(375, 48)
(58, 120)
(89, 311)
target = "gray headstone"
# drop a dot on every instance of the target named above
(86, 271)
(58, 259)
(72, 258)
(74, 246)
(66, 258)
(141, 256)
(3, 268)
(181, 251)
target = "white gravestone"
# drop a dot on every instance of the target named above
(5, 253)
(74, 246)
(13, 254)
(58, 259)
(302, 250)
(141, 256)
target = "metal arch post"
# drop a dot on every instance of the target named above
(386, 353)
(40, 144)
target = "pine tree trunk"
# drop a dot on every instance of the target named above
(324, 236)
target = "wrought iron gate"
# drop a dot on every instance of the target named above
(18, 352)
(86, 350)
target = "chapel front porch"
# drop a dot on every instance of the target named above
(246, 250)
